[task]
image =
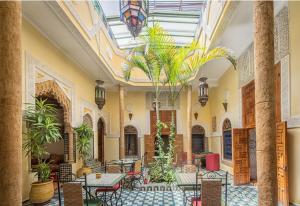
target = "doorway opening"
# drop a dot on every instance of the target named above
(101, 131)
(131, 141)
(198, 139)
(252, 155)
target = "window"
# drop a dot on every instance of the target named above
(227, 140)
(131, 141)
(198, 139)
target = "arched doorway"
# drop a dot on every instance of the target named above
(198, 139)
(87, 119)
(101, 132)
(131, 141)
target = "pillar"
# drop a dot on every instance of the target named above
(10, 104)
(189, 124)
(264, 102)
(121, 110)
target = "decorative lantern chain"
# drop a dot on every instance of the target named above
(203, 91)
(99, 94)
(133, 14)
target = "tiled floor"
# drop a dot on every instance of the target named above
(237, 196)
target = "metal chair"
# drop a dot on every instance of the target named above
(73, 194)
(135, 176)
(208, 190)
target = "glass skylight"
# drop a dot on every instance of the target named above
(180, 18)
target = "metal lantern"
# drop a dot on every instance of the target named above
(203, 91)
(133, 14)
(99, 94)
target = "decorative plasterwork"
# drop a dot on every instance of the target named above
(292, 121)
(36, 72)
(245, 63)
(50, 88)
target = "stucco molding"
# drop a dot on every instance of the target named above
(34, 67)
(292, 121)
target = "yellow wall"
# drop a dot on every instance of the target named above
(37, 46)
(227, 89)
(294, 134)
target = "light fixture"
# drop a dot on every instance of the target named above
(133, 14)
(130, 115)
(203, 91)
(196, 115)
(99, 94)
(225, 104)
(154, 104)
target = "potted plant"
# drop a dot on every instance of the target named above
(84, 135)
(42, 129)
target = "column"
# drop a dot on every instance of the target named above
(122, 109)
(189, 124)
(10, 104)
(264, 102)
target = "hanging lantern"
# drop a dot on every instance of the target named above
(99, 94)
(133, 14)
(203, 91)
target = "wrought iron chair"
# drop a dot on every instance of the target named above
(114, 193)
(135, 176)
(73, 194)
(208, 190)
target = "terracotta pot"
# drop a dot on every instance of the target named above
(84, 170)
(41, 192)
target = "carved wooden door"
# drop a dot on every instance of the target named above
(248, 98)
(241, 171)
(282, 163)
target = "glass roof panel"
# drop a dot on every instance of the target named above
(180, 18)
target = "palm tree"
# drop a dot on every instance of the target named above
(180, 67)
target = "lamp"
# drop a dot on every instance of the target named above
(99, 94)
(133, 14)
(203, 91)
(130, 115)
(154, 104)
(225, 104)
(196, 115)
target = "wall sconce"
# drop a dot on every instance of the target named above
(225, 104)
(196, 115)
(130, 115)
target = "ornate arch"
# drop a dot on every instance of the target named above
(50, 88)
(198, 129)
(129, 129)
(87, 119)
(226, 125)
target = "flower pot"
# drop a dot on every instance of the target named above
(84, 170)
(41, 192)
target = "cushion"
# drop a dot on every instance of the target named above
(133, 173)
(196, 202)
(115, 188)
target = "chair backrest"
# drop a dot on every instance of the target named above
(211, 183)
(113, 169)
(138, 166)
(65, 172)
(73, 194)
(211, 192)
(189, 168)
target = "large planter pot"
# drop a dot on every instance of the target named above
(84, 170)
(41, 192)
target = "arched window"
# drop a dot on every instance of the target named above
(198, 139)
(87, 119)
(227, 140)
(131, 141)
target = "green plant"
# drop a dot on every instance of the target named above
(42, 129)
(85, 134)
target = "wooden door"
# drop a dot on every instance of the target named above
(241, 171)
(282, 163)
(248, 100)
(278, 92)
(101, 140)
(165, 117)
